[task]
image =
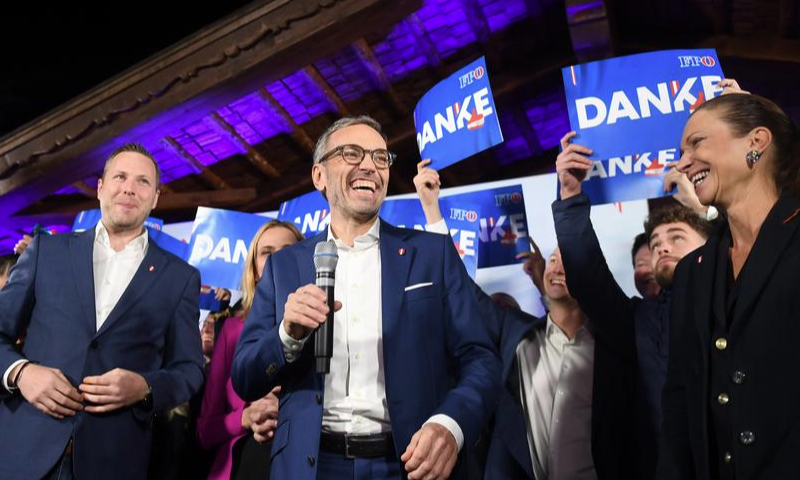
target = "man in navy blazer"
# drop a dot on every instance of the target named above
(414, 374)
(111, 338)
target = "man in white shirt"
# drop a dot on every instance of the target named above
(414, 375)
(566, 410)
(111, 338)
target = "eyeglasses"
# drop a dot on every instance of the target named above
(354, 155)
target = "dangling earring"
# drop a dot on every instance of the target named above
(753, 157)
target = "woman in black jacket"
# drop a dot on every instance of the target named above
(732, 398)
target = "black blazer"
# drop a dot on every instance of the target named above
(760, 347)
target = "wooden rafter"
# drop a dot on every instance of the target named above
(296, 131)
(85, 189)
(378, 75)
(526, 130)
(327, 91)
(176, 201)
(255, 157)
(261, 43)
(212, 179)
(423, 41)
(476, 20)
(589, 29)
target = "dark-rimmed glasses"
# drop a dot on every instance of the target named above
(354, 155)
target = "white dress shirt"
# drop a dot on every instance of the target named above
(113, 271)
(355, 389)
(556, 386)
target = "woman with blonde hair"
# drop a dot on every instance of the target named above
(239, 430)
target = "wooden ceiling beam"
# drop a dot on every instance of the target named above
(256, 158)
(233, 57)
(476, 20)
(423, 41)
(753, 48)
(85, 189)
(325, 89)
(295, 131)
(378, 75)
(212, 179)
(589, 29)
(66, 212)
(526, 129)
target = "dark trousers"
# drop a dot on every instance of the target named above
(336, 467)
(62, 469)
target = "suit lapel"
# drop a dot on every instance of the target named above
(81, 248)
(702, 273)
(152, 267)
(776, 233)
(396, 259)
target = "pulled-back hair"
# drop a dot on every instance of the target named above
(744, 112)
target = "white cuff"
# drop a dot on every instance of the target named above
(711, 214)
(451, 425)
(438, 227)
(291, 347)
(8, 372)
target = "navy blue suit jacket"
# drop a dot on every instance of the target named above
(438, 357)
(152, 331)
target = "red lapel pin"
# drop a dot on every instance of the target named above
(401, 251)
(151, 268)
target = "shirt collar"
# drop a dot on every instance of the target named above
(361, 242)
(138, 243)
(554, 333)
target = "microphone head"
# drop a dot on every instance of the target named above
(325, 256)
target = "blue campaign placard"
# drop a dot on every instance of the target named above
(631, 112)
(88, 219)
(502, 222)
(463, 226)
(309, 212)
(169, 243)
(219, 243)
(457, 118)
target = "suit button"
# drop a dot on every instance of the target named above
(747, 437)
(311, 460)
(271, 368)
(318, 398)
(93, 345)
(721, 344)
(727, 457)
(723, 398)
(738, 377)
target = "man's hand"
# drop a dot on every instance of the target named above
(222, 294)
(684, 193)
(432, 453)
(22, 245)
(572, 164)
(534, 265)
(428, 184)
(261, 416)
(113, 390)
(305, 310)
(729, 85)
(48, 390)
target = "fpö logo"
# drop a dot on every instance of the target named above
(469, 77)
(504, 199)
(687, 61)
(461, 215)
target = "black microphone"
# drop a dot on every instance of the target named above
(325, 259)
